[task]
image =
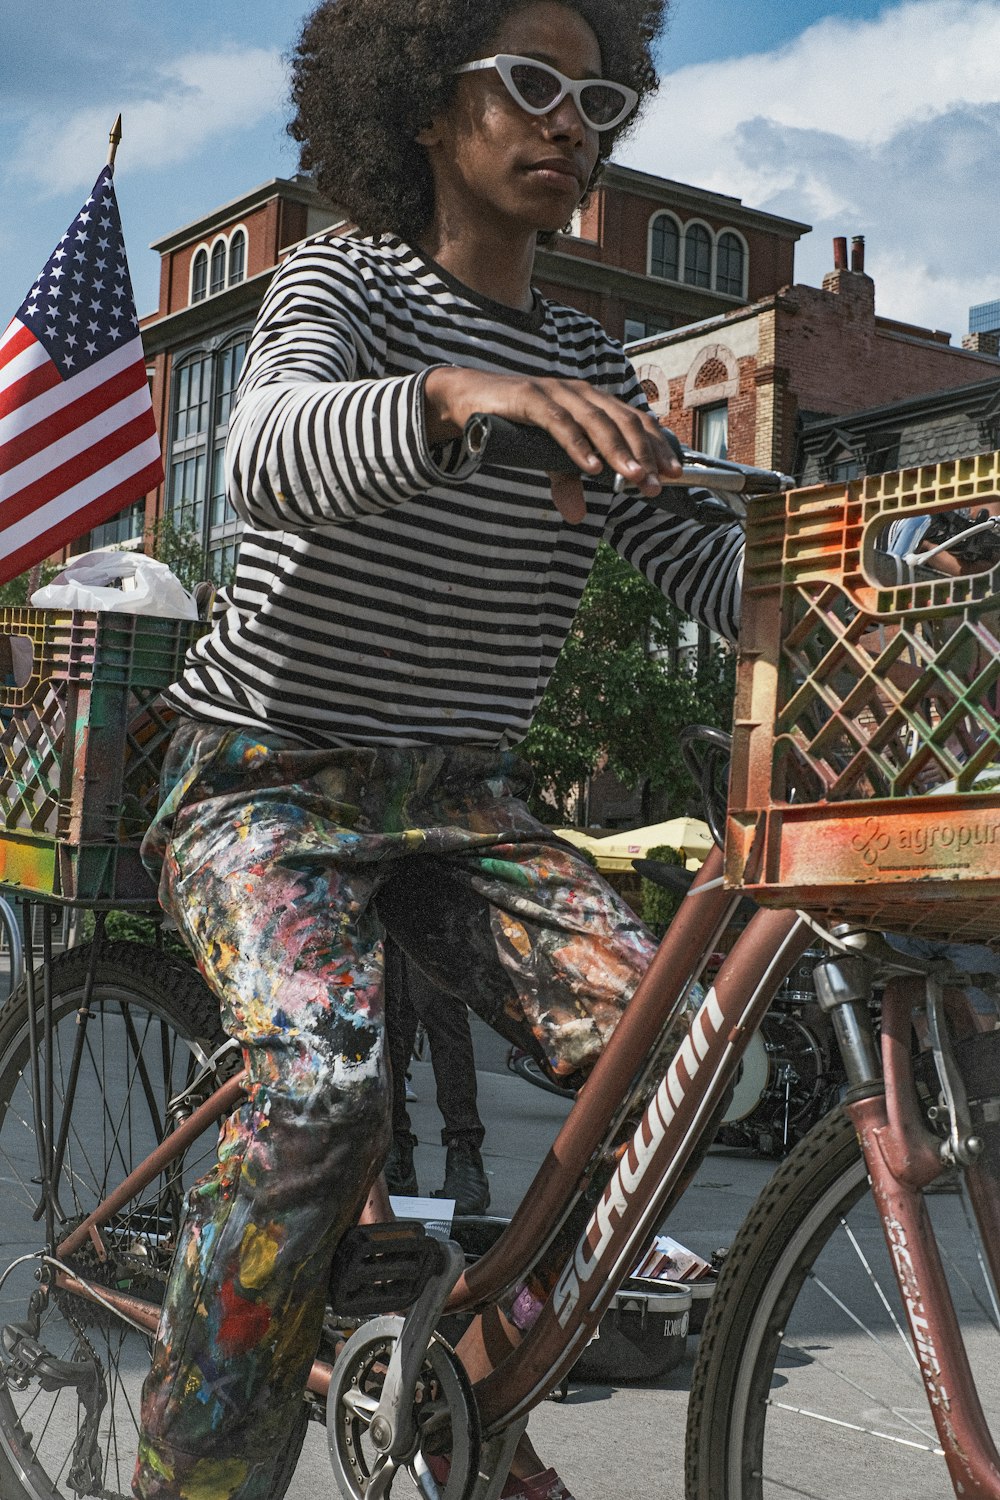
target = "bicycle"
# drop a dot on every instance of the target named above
(395, 1393)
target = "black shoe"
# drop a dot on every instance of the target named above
(465, 1179)
(400, 1173)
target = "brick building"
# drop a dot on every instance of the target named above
(644, 254)
(746, 381)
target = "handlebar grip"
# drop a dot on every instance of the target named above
(515, 445)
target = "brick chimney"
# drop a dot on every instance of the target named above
(853, 282)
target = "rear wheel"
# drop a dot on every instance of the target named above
(806, 1382)
(71, 1372)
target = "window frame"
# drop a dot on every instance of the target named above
(200, 255)
(709, 285)
(238, 233)
(745, 277)
(709, 409)
(664, 213)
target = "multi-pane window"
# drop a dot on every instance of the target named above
(127, 526)
(644, 326)
(225, 266)
(844, 466)
(697, 256)
(729, 261)
(229, 363)
(694, 256)
(191, 384)
(199, 277)
(204, 387)
(237, 257)
(665, 248)
(218, 281)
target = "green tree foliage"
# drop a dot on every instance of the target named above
(614, 700)
(658, 905)
(15, 593)
(180, 550)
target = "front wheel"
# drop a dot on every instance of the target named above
(806, 1381)
(70, 1371)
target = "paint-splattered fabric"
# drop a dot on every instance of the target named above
(283, 867)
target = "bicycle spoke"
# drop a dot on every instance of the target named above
(868, 1332)
(991, 1313)
(887, 1437)
(853, 1385)
(877, 1285)
(789, 1489)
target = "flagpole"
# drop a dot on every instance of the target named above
(114, 138)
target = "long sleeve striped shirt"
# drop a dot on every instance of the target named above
(392, 593)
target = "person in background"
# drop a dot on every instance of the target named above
(412, 1000)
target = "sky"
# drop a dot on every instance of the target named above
(873, 117)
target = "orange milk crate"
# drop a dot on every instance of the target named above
(865, 783)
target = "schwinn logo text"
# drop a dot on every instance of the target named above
(922, 1338)
(873, 840)
(634, 1164)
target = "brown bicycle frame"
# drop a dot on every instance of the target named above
(900, 1153)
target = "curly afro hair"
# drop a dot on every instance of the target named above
(367, 75)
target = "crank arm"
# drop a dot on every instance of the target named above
(393, 1429)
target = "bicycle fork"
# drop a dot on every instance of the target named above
(903, 1157)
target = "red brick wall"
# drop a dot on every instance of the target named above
(261, 226)
(840, 360)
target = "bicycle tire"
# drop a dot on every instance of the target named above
(151, 1024)
(523, 1065)
(754, 1370)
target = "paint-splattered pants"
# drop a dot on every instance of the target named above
(283, 867)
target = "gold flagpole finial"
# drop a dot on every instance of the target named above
(114, 138)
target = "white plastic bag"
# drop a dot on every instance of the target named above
(128, 582)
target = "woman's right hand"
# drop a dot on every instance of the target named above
(594, 428)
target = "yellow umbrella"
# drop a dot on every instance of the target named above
(688, 835)
(574, 836)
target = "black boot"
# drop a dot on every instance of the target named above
(400, 1173)
(465, 1179)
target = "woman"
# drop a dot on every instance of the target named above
(344, 763)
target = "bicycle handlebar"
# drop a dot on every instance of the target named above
(514, 445)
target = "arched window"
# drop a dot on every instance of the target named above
(730, 263)
(665, 247)
(218, 281)
(697, 256)
(199, 276)
(237, 257)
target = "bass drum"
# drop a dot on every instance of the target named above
(786, 1085)
(752, 1081)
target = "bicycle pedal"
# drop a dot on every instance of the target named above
(382, 1268)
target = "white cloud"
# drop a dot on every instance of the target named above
(888, 128)
(197, 99)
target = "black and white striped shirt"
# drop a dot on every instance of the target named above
(388, 593)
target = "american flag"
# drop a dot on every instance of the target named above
(77, 435)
